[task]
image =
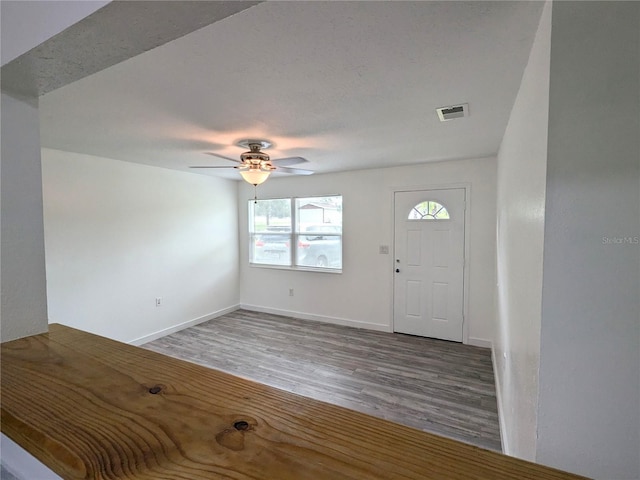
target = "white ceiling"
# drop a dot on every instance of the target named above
(347, 85)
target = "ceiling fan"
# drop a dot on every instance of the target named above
(255, 166)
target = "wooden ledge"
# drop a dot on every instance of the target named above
(89, 407)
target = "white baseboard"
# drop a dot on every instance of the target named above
(319, 318)
(503, 434)
(182, 326)
(479, 342)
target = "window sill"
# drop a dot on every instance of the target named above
(296, 269)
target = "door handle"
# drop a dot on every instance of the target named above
(397, 270)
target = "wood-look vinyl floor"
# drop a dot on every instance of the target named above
(433, 385)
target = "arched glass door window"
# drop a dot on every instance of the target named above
(428, 210)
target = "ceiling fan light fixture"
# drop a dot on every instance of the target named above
(255, 166)
(255, 176)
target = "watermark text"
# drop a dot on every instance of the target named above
(635, 240)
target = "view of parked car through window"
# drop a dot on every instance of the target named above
(317, 247)
(313, 226)
(272, 249)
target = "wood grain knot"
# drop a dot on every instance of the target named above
(155, 389)
(241, 425)
(232, 437)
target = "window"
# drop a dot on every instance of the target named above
(297, 233)
(428, 210)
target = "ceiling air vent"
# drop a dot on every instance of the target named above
(453, 111)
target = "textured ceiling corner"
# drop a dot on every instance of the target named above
(113, 34)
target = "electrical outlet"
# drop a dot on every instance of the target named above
(158, 301)
(291, 292)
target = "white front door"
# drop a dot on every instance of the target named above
(429, 263)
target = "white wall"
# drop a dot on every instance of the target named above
(362, 294)
(118, 235)
(24, 301)
(589, 392)
(25, 25)
(522, 162)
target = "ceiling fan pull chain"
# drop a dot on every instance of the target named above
(255, 194)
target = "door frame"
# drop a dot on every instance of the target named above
(465, 274)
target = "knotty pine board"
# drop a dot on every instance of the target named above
(89, 407)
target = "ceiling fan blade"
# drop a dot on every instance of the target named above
(294, 171)
(288, 161)
(206, 166)
(222, 156)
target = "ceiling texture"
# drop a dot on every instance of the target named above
(347, 85)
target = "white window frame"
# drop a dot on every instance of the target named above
(295, 235)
